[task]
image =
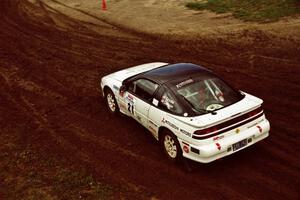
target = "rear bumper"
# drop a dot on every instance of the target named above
(224, 147)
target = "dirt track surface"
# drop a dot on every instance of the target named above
(50, 68)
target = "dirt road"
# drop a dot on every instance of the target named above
(50, 68)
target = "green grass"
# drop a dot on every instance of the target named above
(28, 173)
(31, 171)
(29, 176)
(250, 10)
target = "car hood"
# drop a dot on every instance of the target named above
(132, 71)
(247, 104)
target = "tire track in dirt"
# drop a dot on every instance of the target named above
(62, 61)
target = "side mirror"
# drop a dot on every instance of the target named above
(122, 90)
(242, 93)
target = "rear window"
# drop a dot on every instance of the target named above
(206, 93)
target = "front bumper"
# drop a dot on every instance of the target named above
(221, 148)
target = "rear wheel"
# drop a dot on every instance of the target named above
(111, 101)
(170, 146)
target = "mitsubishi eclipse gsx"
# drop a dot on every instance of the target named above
(190, 110)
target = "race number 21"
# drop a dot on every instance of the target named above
(131, 108)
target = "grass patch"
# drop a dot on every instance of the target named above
(250, 10)
(30, 171)
(27, 175)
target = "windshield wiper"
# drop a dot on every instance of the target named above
(198, 109)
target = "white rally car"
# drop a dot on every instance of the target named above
(189, 109)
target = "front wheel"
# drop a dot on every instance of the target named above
(111, 101)
(170, 146)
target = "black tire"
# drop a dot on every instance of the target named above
(169, 143)
(111, 102)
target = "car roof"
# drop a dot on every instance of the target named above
(174, 72)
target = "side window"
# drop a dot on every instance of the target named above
(143, 88)
(168, 102)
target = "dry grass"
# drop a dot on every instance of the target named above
(251, 10)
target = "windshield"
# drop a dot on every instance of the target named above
(207, 94)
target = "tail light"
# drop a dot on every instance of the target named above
(207, 131)
(255, 112)
(221, 128)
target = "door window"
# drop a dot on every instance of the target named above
(143, 88)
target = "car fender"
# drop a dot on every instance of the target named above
(113, 85)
